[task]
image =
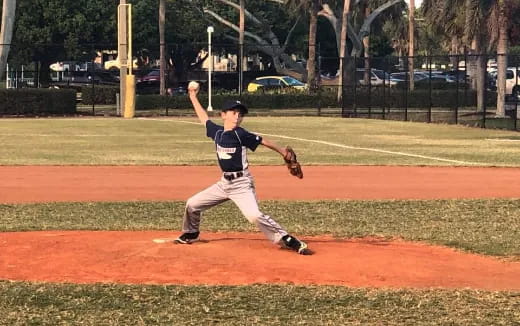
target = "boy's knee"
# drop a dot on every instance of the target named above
(191, 204)
(253, 219)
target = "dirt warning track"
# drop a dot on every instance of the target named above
(241, 258)
(128, 183)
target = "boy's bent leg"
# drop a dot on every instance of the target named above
(244, 196)
(198, 203)
(245, 199)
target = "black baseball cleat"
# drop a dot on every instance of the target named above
(299, 246)
(187, 238)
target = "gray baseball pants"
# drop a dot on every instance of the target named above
(242, 192)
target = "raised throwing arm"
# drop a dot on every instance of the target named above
(193, 90)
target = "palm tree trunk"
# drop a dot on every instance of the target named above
(6, 34)
(454, 58)
(411, 43)
(503, 41)
(241, 46)
(343, 47)
(481, 74)
(162, 40)
(311, 60)
(366, 46)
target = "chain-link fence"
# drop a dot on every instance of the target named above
(431, 89)
(456, 89)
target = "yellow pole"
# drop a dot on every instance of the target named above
(122, 51)
(130, 36)
(130, 97)
(130, 78)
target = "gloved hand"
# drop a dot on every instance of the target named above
(292, 163)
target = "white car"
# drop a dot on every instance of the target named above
(377, 77)
(512, 81)
(116, 65)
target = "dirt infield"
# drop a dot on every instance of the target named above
(22, 184)
(238, 258)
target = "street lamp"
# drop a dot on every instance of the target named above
(210, 30)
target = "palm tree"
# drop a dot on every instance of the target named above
(241, 33)
(500, 27)
(162, 50)
(312, 7)
(343, 47)
(446, 24)
(466, 20)
(366, 45)
(311, 60)
(502, 44)
(411, 43)
(6, 34)
(364, 21)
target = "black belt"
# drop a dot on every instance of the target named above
(233, 175)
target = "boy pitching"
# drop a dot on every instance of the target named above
(236, 183)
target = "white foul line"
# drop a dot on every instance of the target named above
(349, 147)
(371, 149)
(500, 139)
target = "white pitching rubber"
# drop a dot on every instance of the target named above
(163, 240)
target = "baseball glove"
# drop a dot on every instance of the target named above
(292, 163)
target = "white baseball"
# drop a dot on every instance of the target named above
(193, 85)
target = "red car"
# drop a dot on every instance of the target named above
(153, 75)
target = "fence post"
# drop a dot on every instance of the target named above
(354, 88)
(429, 89)
(457, 93)
(37, 64)
(93, 97)
(370, 88)
(405, 89)
(319, 84)
(515, 96)
(118, 106)
(343, 101)
(385, 68)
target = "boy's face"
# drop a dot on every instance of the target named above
(232, 117)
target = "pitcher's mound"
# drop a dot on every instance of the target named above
(242, 258)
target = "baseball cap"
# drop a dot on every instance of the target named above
(233, 105)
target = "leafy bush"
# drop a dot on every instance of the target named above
(263, 101)
(37, 101)
(419, 98)
(327, 97)
(99, 95)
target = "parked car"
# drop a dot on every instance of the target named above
(401, 77)
(275, 83)
(512, 81)
(152, 75)
(78, 79)
(453, 75)
(377, 77)
(151, 84)
(116, 65)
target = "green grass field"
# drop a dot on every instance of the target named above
(318, 141)
(490, 227)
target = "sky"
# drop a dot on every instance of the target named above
(417, 3)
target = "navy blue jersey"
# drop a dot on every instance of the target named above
(231, 146)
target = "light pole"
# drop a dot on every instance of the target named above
(210, 30)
